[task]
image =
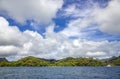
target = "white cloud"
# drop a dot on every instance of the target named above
(74, 11)
(18, 44)
(109, 18)
(8, 51)
(92, 54)
(75, 26)
(41, 11)
(82, 19)
(9, 35)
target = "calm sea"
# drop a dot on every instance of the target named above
(59, 72)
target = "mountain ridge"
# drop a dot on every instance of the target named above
(69, 61)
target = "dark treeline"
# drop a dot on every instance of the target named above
(33, 61)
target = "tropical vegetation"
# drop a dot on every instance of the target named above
(69, 61)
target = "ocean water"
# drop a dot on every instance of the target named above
(59, 72)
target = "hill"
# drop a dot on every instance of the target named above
(3, 60)
(30, 61)
(69, 61)
(79, 62)
(114, 61)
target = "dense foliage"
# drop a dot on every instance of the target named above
(79, 62)
(115, 62)
(3, 59)
(33, 61)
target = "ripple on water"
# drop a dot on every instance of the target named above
(60, 73)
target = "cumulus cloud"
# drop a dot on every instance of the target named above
(39, 11)
(6, 51)
(82, 19)
(106, 19)
(9, 35)
(109, 17)
(92, 54)
(16, 44)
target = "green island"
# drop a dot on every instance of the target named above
(31, 61)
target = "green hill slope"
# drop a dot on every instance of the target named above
(79, 62)
(34, 61)
(30, 61)
(115, 62)
(4, 62)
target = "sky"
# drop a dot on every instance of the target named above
(56, 29)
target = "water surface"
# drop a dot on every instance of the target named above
(59, 72)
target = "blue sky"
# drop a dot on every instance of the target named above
(59, 29)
